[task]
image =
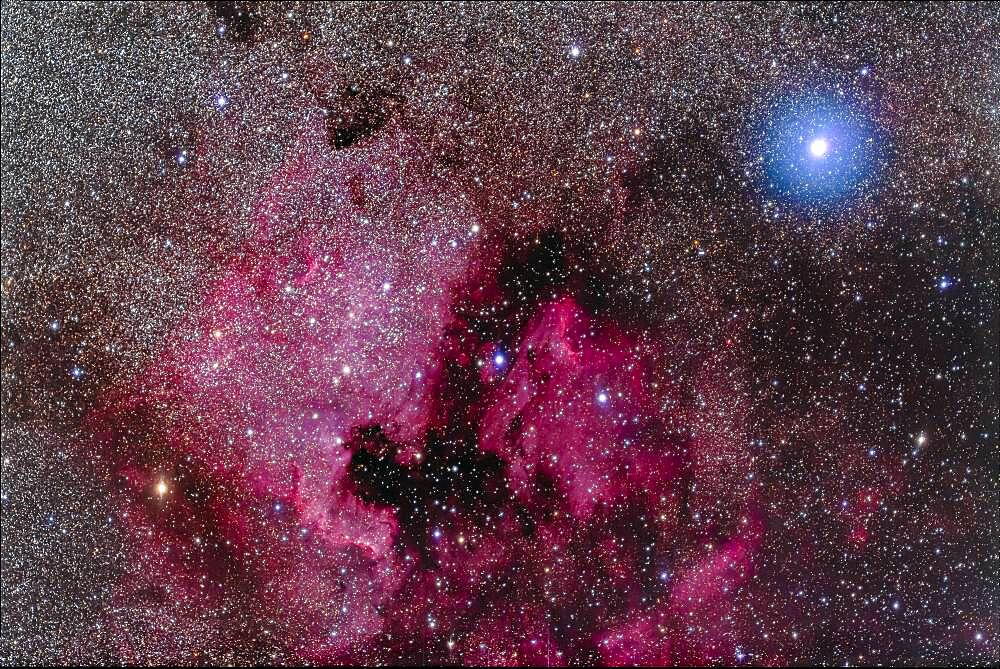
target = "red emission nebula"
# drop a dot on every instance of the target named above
(500, 334)
(364, 440)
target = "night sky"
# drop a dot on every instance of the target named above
(530, 334)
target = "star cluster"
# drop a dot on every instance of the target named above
(500, 334)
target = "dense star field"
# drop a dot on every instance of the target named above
(545, 334)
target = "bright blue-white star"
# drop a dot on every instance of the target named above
(500, 359)
(819, 149)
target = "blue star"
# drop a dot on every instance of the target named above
(819, 149)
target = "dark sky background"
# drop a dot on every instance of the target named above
(540, 334)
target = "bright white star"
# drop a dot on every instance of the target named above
(819, 146)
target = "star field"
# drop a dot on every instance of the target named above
(500, 334)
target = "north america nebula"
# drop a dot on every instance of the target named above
(500, 334)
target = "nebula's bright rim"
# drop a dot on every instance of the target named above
(498, 334)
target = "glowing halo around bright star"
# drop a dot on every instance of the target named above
(532, 334)
(819, 146)
(818, 150)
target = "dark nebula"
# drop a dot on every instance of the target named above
(500, 334)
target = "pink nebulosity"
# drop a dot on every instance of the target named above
(566, 411)
(277, 458)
